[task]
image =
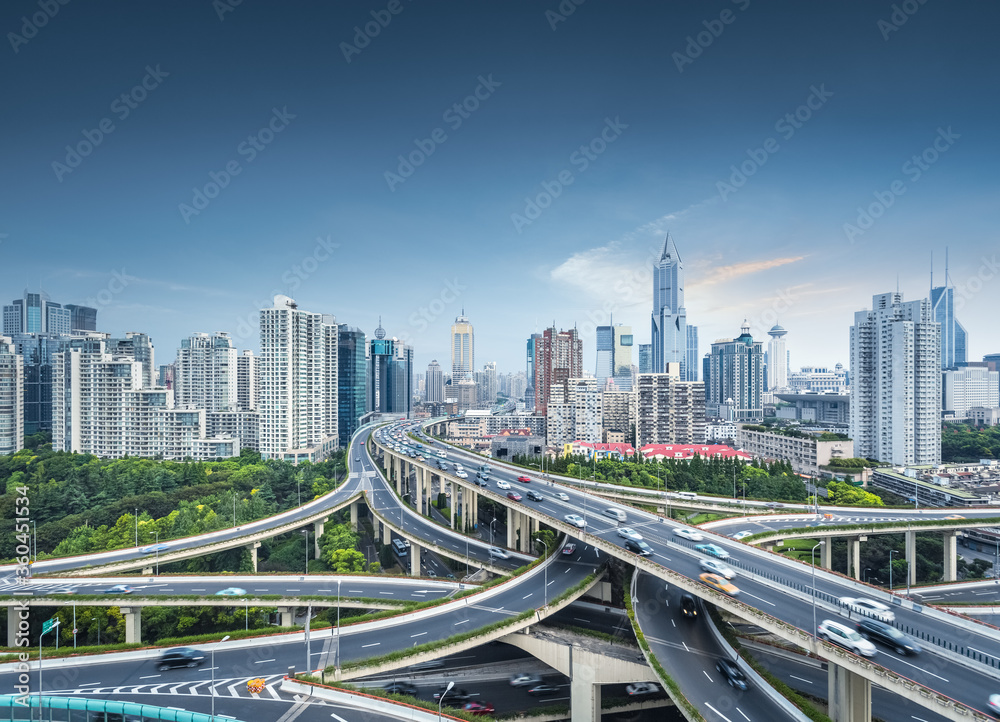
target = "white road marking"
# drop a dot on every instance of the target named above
(763, 600)
(922, 670)
(262, 661)
(151, 676)
(686, 648)
(417, 635)
(703, 671)
(717, 711)
(375, 644)
(800, 679)
(744, 716)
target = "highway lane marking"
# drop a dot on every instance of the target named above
(388, 593)
(355, 591)
(663, 557)
(807, 681)
(95, 684)
(919, 719)
(419, 634)
(530, 593)
(763, 600)
(981, 652)
(151, 676)
(673, 623)
(744, 716)
(923, 670)
(337, 717)
(374, 644)
(686, 648)
(326, 590)
(264, 661)
(462, 622)
(717, 711)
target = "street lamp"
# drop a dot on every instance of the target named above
(35, 527)
(814, 585)
(894, 551)
(213, 674)
(336, 662)
(306, 532)
(441, 698)
(546, 572)
(492, 538)
(137, 527)
(54, 625)
(157, 548)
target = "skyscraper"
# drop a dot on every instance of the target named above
(298, 396)
(529, 392)
(671, 338)
(777, 359)
(954, 339)
(37, 313)
(140, 347)
(896, 382)
(558, 356)
(205, 373)
(645, 358)
(390, 375)
(352, 372)
(435, 383)
(462, 349)
(11, 398)
(736, 378)
(668, 410)
(614, 355)
(82, 318)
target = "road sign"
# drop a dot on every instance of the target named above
(49, 625)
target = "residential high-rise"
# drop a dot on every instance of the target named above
(247, 378)
(529, 392)
(205, 374)
(969, 386)
(37, 313)
(777, 359)
(352, 374)
(140, 347)
(896, 382)
(735, 388)
(617, 415)
(435, 383)
(954, 339)
(558, 356)
(11, 398)
(671, 338)
(574, 412)
(669, 410)
(645, 358)
(298, 395)
(463, 360)
(487, 388)
(390, 375)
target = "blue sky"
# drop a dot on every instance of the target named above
(321, 208)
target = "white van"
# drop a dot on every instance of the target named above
(686, 495)
(616, 514)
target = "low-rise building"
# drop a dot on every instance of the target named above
(916, 482)
(684, 452)
(805, 453)
(983, 416)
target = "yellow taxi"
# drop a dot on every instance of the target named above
(719, 583)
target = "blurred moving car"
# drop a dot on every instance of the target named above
(231, 592)
(689, 534)
(180, 657)
(719, 583)
(869, 608)
(732, 674)
(881, 632)
(402, 688)
(524, 679)
(640, 688)
(846, 637)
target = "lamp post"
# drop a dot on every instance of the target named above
(441, 698)
(492, 538)
(34, 526)
(306, 532)
(814, 585)
(545, 581)
(234, 508)
(157, 548)
(893, 551)
(336, 662)
(137, 527)
(213, 673)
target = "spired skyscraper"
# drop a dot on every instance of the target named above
(462, 349)
(954, 338)
(674, 341)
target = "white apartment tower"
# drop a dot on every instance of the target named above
(575, 412)
(668, 410)
(205, 375)
(247, 378)
(297, 399)
(967, 387)
(11, 398)
(896, 382)
(435, 383)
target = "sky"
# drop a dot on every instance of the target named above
(176, 164)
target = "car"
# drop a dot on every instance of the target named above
(562, 496)
(430, 664)
(728, 669)
(775, 505)
(713, 550)
(716, 567)
(461, 475)
(524, 680)
(513, 496)
(64, 590)
(402, 688)
(869, 608)
(877, 631)
(629, 533)
(639, 547)
(534, 495)
(741, 535)
(846, 637)
(454, 695)
(994, 704)
(524, 479)
(231, 592)
(479, 708)
(357, 458)
(180, 657)
(569, 549)
(118, 589)
(689, 534)
(499, 553)
(480, 482)
(718, 583)
(503, 484)
(689, 607)
(544, 688)
(155, 548)
(640, 688)
(576, 520)
(954, 516)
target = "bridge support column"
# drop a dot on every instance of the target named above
(253, 555)
(910, 551)
(512, 519)
(133, 624)
(414, 560)
(354, 516)
(585, 696)
(474, 511)
(147, 571)
(950, 557)
(318, 528)
(826, 555)
(287, 615)
(853, 557)
(386, 533)
(12, 621)
(525, 545)
(849, 695)
(453, 501)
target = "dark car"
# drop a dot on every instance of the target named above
(455, 695)
(689, 607)
(639, 547)
(402, 688)
(180, 657)
(118, 589)
(540, 689)
(513, 496)
(535, 496)
(728, 669)
(880, 632)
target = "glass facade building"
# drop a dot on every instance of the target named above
(351, 380)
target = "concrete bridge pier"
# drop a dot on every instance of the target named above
(910, 554)
(354, 516)
(512, 521)
(318, 528)
(386, 533)
(849, 695)
(253, 555)
(474, 510)
(414, 560)
(584, 698)
(452, 503)
(287, 615)
(826, 555)
(950, 557)
(133, 624)
(854, 556)
(12, 622)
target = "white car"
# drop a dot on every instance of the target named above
(503, 484)
(689, 534)
(576, 520)
(869, 608)
(461, 475)
(499, 553)
(741, 535)
(716, 567)
(641, 688)
(846, 637)
(562, 495)
(629, 533)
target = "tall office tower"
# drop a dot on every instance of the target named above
(954, 339)
(614, 355)
(11, 398)
(298, 395)
(82, 318)
(390, 375)
(706, 373)
(247, 377)
(669, 410)
(435, 383)
(605, 342)
(645, 358)
(558, 356)
(968, 386)
(993, 361)
(669, 322)
(777, 359)
(736, 378)
(529, 392)
(140, 347)
(896, 382)
(37, 313)
(205, 376)
(463, 357)
(693, 359)
(352, 373)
